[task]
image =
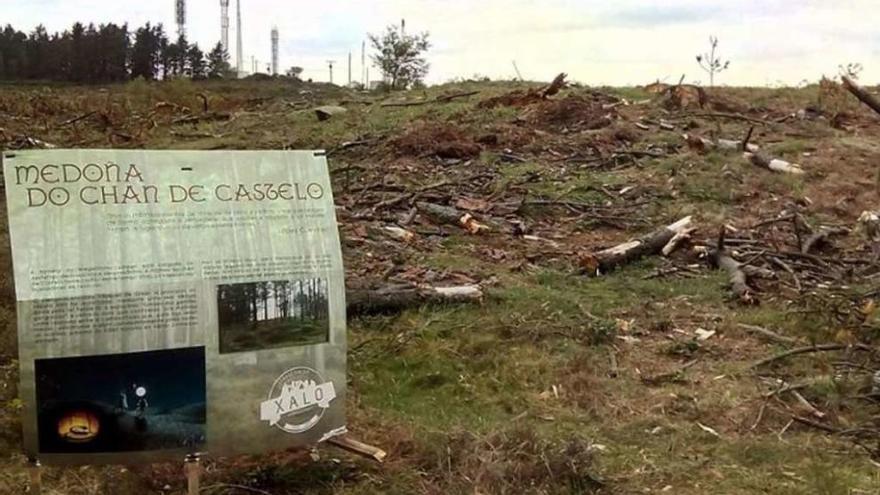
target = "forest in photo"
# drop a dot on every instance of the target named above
(266, 315)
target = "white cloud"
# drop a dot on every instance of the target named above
(597, 42)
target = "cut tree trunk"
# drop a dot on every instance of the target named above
(606, 260)
(450, 215)
(861, 94)
(396, 298)
(703, 145)
(762, 160)
(738, 279)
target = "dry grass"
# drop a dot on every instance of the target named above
(521, 395)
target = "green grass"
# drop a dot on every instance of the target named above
(272, 334)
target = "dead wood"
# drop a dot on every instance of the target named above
(738, 279)
(205, 117)
(450, 215)
(204, 99)
(718, 258)
(861, 94)
(396, 298)
(601, 262)
(731, 116)
(769, 334)
(811, 349)
(77, 119)
(555, 86)
(764, 161)
(703, 145)
(670, 376)
(745, 142)
(350, 144)
(685, 95)
(820, 237)
(409, 195)
(345, 442)
(521, 98)
(815, 424)
(439, 99)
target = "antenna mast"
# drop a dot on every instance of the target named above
(224, 25)
(239, 50)
(330, 64)
(274, 50)
(180, 16)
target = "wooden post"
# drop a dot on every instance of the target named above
(192, 469)
(36, 475)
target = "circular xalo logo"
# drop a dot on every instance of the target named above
(297, 400)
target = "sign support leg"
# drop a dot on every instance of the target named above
(36, 476)
(192, 469)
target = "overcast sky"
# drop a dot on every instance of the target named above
(620, 42)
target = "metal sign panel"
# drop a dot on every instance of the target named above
(173, 302)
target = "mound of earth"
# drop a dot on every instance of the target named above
(436, 139)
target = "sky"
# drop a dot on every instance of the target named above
(597, 42)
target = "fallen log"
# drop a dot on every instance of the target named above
(821, 236)
(439, 99)
(738, 279)
(702, 144)
(811, 349)
(450, 215)
(769, 334)
(396, 298)
(606, 260)
(762, 160)
(719, 259)
(861, 94)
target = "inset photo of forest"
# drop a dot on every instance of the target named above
(273, 314)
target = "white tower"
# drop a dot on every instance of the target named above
(239, 50)
(180, 16)
(224, 25)
(274, 50)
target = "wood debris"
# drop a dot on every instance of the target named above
(602, 262)
(775, 164)
(861, 94)
(398, 297)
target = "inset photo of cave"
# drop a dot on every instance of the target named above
(272, 314)
(138, 401)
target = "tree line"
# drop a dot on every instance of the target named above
(105, 53)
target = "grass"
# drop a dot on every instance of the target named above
(272, 334)
(541, 388)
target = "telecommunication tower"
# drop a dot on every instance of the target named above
(180, 16)
(239, 50)
(275, 50)
(224, 25)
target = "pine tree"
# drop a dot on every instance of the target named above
(196, 62)
(218, 62)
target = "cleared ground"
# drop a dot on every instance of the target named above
(558, 382)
